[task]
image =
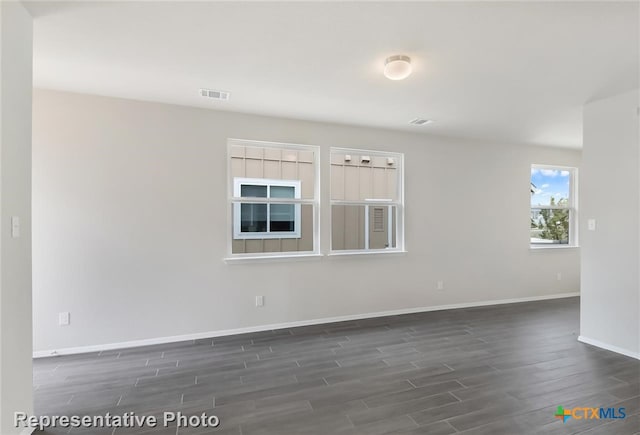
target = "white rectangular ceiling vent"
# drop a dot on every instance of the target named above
(216, 95)
(420, 121)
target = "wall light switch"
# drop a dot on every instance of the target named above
(259, 301)
(440, 285)
(15, 226)
(64, 318)
(591, 224)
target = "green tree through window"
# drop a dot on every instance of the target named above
(555, 222)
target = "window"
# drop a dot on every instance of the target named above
(257, 220)
(366, 201)
(553, 206)
(273, 191)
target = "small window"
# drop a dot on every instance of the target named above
(366, 201)
(255, 219)
(553, 206)
(273, 199)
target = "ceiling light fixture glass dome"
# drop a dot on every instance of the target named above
(397, 67)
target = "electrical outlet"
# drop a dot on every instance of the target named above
(259, 301)
(440, 285)
(64, 318)
(559, 276)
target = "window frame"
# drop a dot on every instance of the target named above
(299, 202)
(571, 207)
(238, 182)
(399, 205)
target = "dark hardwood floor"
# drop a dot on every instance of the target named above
(492, 370)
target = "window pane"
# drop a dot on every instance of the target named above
(381, 228)
(283, 192)
(253, 218)
(279, 241)
(550, 186)
(283, 217)
(549, 226)
(358, 177)
(349, 227)
(253, 191)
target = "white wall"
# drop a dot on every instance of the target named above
(130, 225)
(15, 200)
(610, 189)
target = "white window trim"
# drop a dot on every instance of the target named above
(238, 182)
(537, 246)
(399, 204)
(268, 257)
(315, 202)
(572, 207)
(373, 252)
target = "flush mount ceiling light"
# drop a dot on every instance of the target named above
(397, 67)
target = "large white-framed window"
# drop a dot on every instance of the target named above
(273, 199)
(262, 216)
(553, 211)
(367, 201)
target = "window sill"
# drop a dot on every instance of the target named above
(380, 252)
(270, 258)
(552, 246)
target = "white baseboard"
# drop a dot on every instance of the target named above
(610, 347)
(225, 332)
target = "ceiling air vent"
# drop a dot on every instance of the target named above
(420, 121)
(216, 95)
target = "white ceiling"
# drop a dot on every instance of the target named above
(504, 71)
